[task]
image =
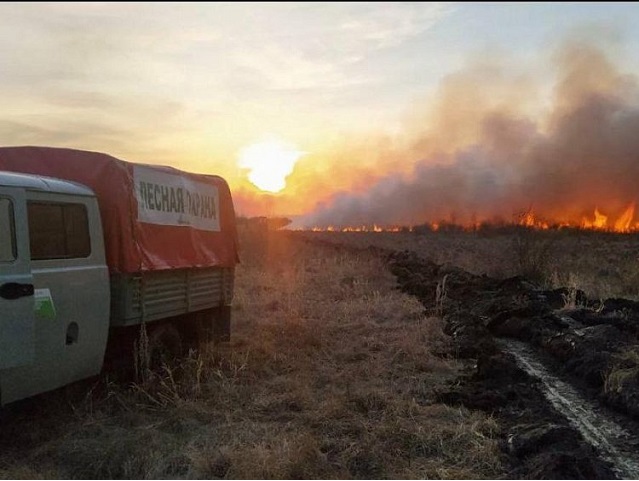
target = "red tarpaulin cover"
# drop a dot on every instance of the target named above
(153, 217)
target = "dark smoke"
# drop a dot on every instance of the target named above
(583, 154)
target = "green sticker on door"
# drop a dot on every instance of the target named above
(44, 307)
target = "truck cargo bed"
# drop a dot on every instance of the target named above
(155, 295)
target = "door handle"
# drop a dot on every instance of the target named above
(14, 290)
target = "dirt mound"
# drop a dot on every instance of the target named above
(590, 342)
(537, 442)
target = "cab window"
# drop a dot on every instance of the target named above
(58, 230)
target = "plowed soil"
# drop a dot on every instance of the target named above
(588, 344)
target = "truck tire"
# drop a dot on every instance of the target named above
(119, 356)
(165, 346)
(211, 326)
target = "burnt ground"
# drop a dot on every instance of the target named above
(589, 343)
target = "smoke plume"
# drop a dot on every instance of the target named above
(479, 154)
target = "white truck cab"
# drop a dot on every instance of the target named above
(54, 285)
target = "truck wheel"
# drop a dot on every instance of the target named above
(119, 355)
(165, 346)
(213, 325)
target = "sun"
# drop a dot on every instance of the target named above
(269, 163)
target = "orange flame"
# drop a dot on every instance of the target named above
(361, 228)
(625, 223)
(528, 219)
(600, 221)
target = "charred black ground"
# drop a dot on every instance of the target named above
(590, 343)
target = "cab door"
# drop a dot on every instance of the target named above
(17, 308)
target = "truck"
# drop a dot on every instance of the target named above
(93, 251)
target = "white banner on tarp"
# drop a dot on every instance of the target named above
(168, 199)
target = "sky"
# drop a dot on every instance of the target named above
(345, 92)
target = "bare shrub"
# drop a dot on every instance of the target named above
(533, 253)
(440, 296)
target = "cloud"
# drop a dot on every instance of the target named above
(217, 64)
(390, 24)
(98, 42)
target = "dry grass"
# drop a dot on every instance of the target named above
(624, 371)
(601, 264)
(330, 374)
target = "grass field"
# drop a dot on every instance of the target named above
(602, 264)
(331, 373)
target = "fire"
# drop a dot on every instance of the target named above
(528, 219)
(622, 224)
(599, 223)
(361, 228)
(366, 228)
(625, 223)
